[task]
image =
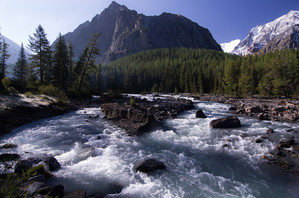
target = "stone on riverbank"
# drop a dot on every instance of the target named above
(28, 109)
(22, 166)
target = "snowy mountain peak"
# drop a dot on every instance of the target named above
(229, 47)
(261, 35)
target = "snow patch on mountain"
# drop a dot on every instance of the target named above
(261, 35)
(229, 47)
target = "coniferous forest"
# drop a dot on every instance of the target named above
(56, 71)
(205, 71)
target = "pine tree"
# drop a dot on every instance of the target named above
(20, 69)
(87, 60)
(3, 59)
(71, 55)
(41, 59)
(61, 64)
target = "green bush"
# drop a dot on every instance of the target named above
(50, 90)
(28, 94)
(132, 102)
(12, 91)
(6, 82)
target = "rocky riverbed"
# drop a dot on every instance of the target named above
(137, 116)
(286, 152)
(18, 110)
(284, 110)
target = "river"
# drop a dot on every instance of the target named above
(201, 161)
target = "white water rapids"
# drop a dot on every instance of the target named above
(99, 157)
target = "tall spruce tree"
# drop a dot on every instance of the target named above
(3, 58)
(41, 58)
(87, 62)
(61, 64)
(71, 55)
(20, 70)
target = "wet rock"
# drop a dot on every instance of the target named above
(233, 108)
(253, 110)
(270, 130)
(258, 141)
(52, 191)
(200, 114)
(290, 130)
(76, 194)
(226, 146)
(8, 157)
(52, 164)
(8, 146)
(228, 122)
(56, 191)
(37, 178)
(150, 165)
(145, 114)
(30, 189)
(287, 143)
(263, 116)
(93, 117)
(22, 166)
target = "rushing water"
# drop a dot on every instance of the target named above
(100, 158)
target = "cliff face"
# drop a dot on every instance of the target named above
(124, 32)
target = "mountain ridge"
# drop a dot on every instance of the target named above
(279, 34)
(124, 31)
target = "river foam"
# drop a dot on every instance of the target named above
(200, 161)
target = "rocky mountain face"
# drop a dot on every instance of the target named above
(13, 50)
(279, 34)
(124, 31)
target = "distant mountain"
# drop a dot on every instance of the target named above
(279, 34)
(124, 32)
(229, 47)
(13, 51)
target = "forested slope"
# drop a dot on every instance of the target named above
(204, 71)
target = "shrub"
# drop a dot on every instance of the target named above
(6, 82)
(12, 91)
(28, 94)
(132, 102)
(50, 90)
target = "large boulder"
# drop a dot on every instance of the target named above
(253, 110)
(76, 194)
(200, 114)
(52, 164)
(22, 166)
(31, 189)
(8, 157)
(228, 122)
(150, 165)
(143, 115)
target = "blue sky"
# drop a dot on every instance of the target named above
(226, 19)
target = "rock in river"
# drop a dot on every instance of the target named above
(150, 165)
(52, 164)
(228, 122)
(200, 114)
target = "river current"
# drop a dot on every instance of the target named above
(203, 162)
